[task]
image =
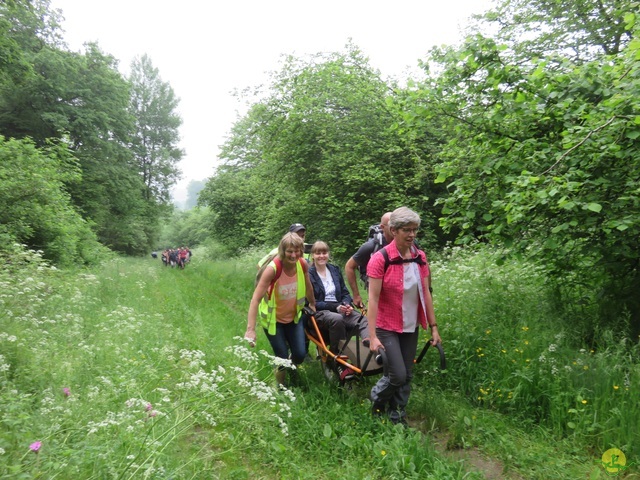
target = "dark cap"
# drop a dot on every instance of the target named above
(296, 227)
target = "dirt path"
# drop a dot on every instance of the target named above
(472, 458)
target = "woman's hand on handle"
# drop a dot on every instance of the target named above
(375, 344)
(357, 301)
(435, 336)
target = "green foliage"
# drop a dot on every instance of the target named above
(80, 99)
(580, 29)
(319, 148)
(189, 228)
(36, 209)
(232, 196)
(509, 350)
(153, 104)
(542, 155)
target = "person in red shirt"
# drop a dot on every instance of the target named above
(399, 303)
(183, 256)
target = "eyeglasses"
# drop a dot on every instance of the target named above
(409, 230)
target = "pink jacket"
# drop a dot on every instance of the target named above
(390, 302)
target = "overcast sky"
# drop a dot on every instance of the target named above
(205, 48)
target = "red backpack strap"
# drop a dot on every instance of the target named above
(278, 264)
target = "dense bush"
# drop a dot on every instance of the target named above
(35, 208)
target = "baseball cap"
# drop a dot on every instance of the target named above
(296, 227)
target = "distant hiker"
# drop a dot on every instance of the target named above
(183, 257)
(173, 257)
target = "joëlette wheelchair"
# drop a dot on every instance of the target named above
(352, 354)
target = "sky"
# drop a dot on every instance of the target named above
(206, 49)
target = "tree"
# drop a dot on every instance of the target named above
(93, 115)
(155, 142)
(577, 29)
(323, 148)
(35, 208)
(193, 189)
(543, 157)
(28, 29)
(188, 228)
(82, 100)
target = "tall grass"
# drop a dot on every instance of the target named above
(134, 370)
(510, 352)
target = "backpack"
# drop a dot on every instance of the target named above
(376, 232)
(273, 257)
(376, 235)
(399, 261)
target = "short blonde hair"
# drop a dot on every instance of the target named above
(290, 240)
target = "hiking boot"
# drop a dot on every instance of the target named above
(399, 421)
(294, 378)
(281, 376)
(344, 373)
(398, 417)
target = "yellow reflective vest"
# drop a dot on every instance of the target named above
(267, 308)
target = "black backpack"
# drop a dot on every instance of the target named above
(376, 235)
(398, 261)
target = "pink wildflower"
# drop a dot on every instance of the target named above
(66, 391)
(153, 413)
(35, 446)
(149, 407)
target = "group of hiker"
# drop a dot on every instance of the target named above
(174, 257)
(396, 275)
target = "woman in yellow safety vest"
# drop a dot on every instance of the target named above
(278, 301)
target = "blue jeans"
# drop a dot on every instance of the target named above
(289, 336)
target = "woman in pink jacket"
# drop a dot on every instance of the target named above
(399, 303)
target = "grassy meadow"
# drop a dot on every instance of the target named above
(133, 370)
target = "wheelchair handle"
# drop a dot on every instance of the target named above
(381, 357)
(443, 360)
